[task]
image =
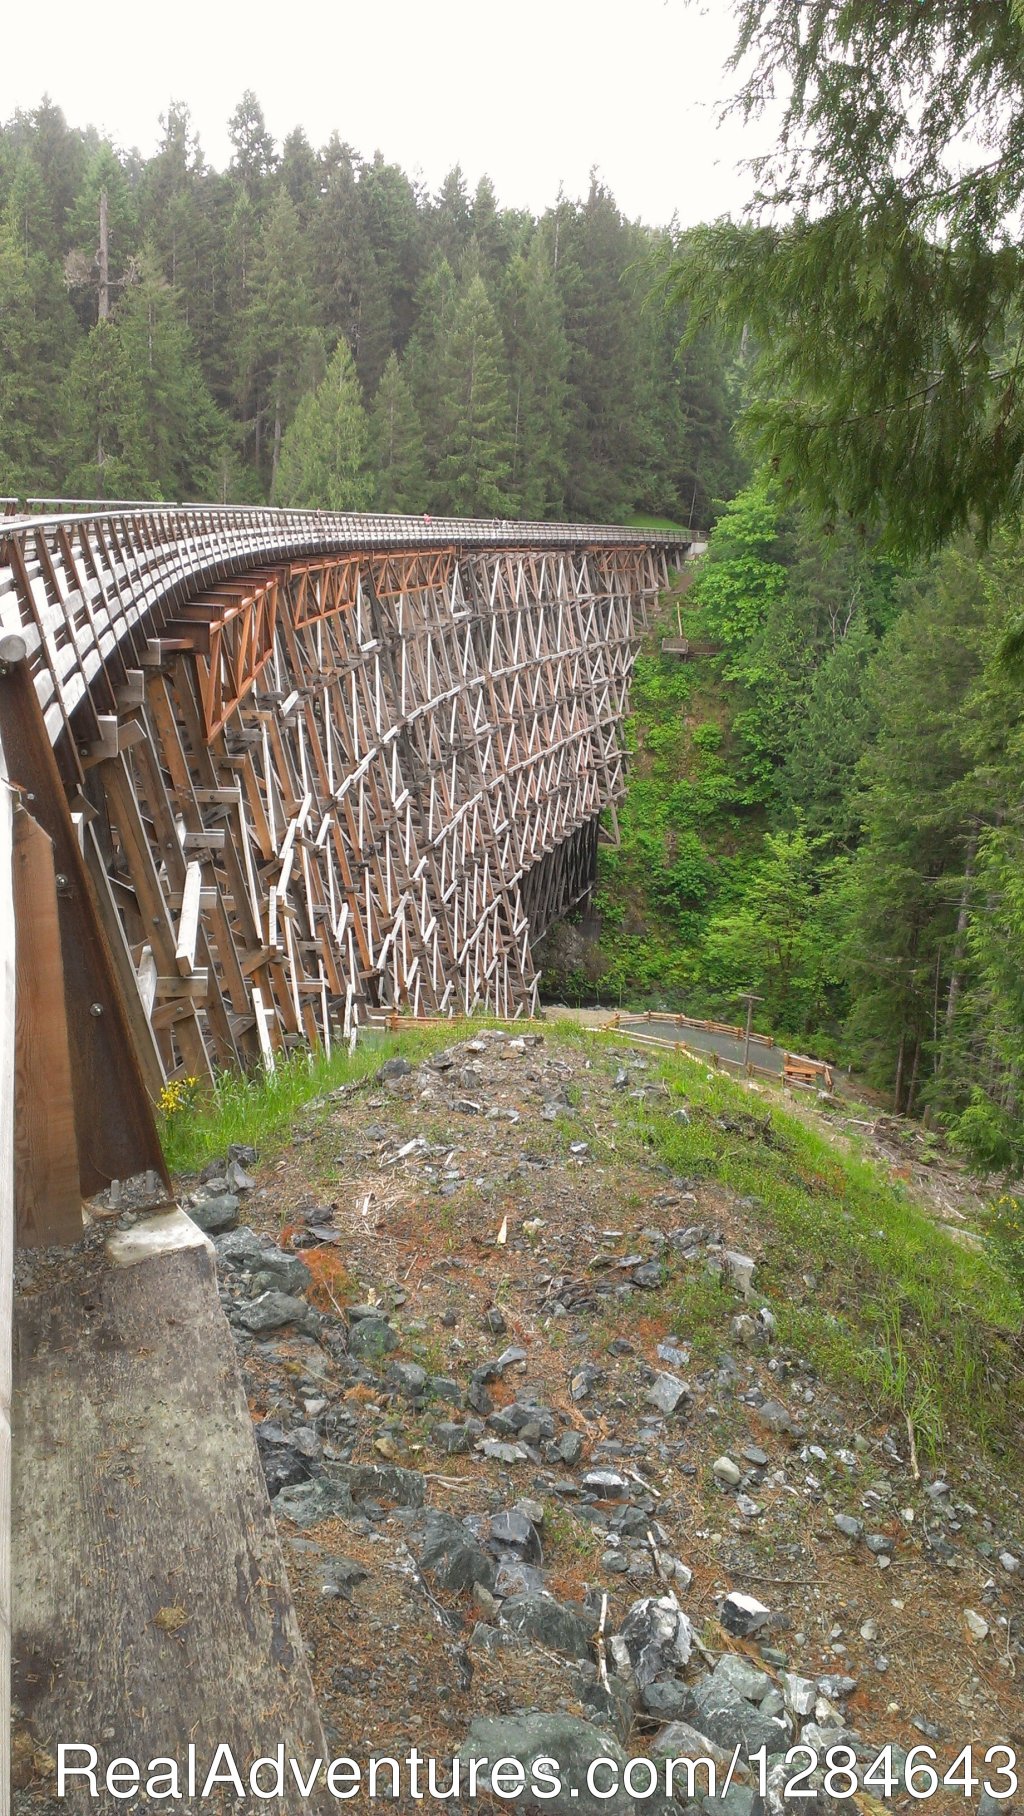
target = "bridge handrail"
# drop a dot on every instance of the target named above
(393, 528)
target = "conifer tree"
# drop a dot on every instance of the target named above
(538, 356)
(324, 464)
(474, 469)
(277, 339)
(396, 444)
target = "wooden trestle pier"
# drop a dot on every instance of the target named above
(294, 766)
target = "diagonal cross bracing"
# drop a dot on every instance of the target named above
(327, 764)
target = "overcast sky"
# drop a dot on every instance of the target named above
(533, 94)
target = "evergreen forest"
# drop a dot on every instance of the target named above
(308, 327)
(826, 807)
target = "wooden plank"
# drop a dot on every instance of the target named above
(188, 925)
(116, 1130)
(8, 988)
(47, 1189)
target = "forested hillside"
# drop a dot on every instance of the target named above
(827, 811)
(310, 327)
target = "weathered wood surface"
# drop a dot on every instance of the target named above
(138, 1494)
(115, 1131)
(47, 1188)
(333, 764)
(7, 1062)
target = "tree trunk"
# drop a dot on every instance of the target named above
(956, 960)
(104, 260)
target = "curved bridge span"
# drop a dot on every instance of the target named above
(314, 764)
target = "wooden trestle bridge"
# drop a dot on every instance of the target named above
(260, 772)
(277, 768)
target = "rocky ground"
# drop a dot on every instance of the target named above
(525, 1511)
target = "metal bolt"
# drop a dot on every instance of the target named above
(61, 880)
(95, 1008)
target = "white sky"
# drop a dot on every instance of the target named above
(533, 92)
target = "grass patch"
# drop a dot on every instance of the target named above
(258, 1109)
(923, 1326)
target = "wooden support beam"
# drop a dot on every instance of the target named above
(116, 1131)
(188, 925)
(8, 1000)
(47, 1188)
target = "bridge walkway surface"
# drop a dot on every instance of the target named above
(263, 774)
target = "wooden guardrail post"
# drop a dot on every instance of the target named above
(7, 1010)
(83, 1114)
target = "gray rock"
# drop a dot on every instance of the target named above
(658, 1637)
(455, 1440)
(878, 1544)
(681, 1741)
(270, 1311)
(444, 1388)
(550, 1623)
(836, 1687)
(585, 1380)
(799, 1693)
(667, 1698)
(243, 1249)
(513, 1532)
(725, 1470)
(617, 1563)
(452, 1556)
(500, 1452)
(371, 1338)
(406, 1377)
(650, 1275)
(394, 1068)
(738, 1800)
(666, 1392)
(776, 1416)
(283, 1273)
(740, 1269)
(742, 1676)
(727, 1717)
(567, 1448)
(742, 1615)
(575, 1744)
(384, 1482)
(606, 1484)
(516, 1578)
(849, 1527)
(611, 1705)
(307, 1503)
(215, 1215)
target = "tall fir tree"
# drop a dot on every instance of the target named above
(324, 457)
(396, 444)
(474, 469)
